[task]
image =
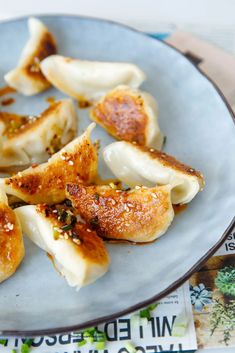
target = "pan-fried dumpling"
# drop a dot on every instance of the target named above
(45, 183)
(76, 251)
(138, 215)
(11, 240)
(138, 165)
(32, 139)
(27, 77)
(89, 80)
(129, 115)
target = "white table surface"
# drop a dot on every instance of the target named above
(211, 19)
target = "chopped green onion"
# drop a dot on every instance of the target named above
(66, 227)
(88, 336)
(82, 343)
(29, 342)
(100, 336)
(100, 345)
(13, 351)
(97, 196)
(24, 348)
(146, 313)
(3, 342)
(130, 347)
(152, 306)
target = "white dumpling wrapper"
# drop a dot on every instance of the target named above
(134, 165)
(27, 78)
(88, 80)
(68, 257)
(30, 145)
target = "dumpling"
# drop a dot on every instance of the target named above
(89, 80)
(32, 139)
(76, 251)
(138, 165)
(129, 115)
(27, 77)
(45, 183)
(11, 240)
(138, 215)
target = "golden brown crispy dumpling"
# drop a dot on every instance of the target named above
(138, 165)
(27, 77)
(130, 115)
(76, 251)
(45, 183)
(138, 215)
(88, 80)
(11, 240)
(30, 139)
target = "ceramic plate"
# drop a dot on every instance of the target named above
(200, 131)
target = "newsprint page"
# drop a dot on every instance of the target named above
(199, 314)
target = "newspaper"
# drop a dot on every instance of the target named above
(199, 314)
(156, 335)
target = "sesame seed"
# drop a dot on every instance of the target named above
(63, 158)
(191, 170)
(71, 163)
(76, 241)
(66, 236)
(154, 195)
(118, 190)
(134, 142)
(137, 187)
(130, 205)
(126, 207)
(20, 174)
(54, 211)
(88, 230)
(151, 150)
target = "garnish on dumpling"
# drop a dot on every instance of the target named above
(130, 115)
(137, 215)
(45, 183)
(89, 80)
(76, 251)
(138, 165)
(11, 240)
(27, 77)
(32, 139)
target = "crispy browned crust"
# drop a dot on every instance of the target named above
(11, 242)
(46, 47)
(10, 120)
(122, 114)
(133, 215)
(25, 123)
(91, 245)
(170, 161)
(46, 183)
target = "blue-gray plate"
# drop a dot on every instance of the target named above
(200, 131)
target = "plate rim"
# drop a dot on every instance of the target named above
(194, 268)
